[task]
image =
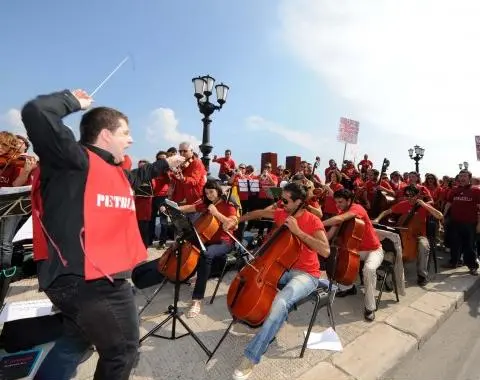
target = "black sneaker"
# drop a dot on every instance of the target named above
(348, 292)
(473, 271)
(369, 315)
(421, 281)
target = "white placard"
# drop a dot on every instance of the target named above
(244, 184)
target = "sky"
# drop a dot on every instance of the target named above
(407, 71)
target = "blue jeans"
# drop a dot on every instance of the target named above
(95, 313)
(8, 228)
(205, 267)
(298, 285)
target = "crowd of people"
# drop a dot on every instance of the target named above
(94, 216)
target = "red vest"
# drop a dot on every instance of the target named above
(110, 238)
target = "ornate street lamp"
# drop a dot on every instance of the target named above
(463, 166)
(416, 154)
(203, 90)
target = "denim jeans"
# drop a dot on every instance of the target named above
(8, 228)
(298, 285)
(205, 266)
(157, 202)
(95, 313)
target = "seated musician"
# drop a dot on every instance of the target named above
(370, 249)
(414, 180)
(371, 186)
(221, 243)
(298, 282)
(423, 248)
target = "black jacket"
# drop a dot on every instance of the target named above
(63, 175)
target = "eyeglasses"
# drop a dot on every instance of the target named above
(242, 167)
(284, 201)
(182, 150)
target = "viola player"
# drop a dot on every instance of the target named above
(370, 249)
(423, 247)
(215, 203)
(12, 175)
(297, 283)
(85, 232)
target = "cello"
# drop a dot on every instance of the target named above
(207, 226)
(347, 242)
(382, 201)
(412, 227)
(252, 291)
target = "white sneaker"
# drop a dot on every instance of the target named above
(240, 329)
(244, 370)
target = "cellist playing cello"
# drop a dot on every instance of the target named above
(370, 249)
(403, 208)
(298, 282)
(219, 245)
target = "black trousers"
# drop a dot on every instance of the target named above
(98, 313)
(463, 240)
(157, 202)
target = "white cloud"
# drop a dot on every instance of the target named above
(409, 67)
(300, 138)
(163, 128)
(12, 121)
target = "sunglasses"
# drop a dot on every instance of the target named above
(284, 201)
(242, 167)
(409, 195)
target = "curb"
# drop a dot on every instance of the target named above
(383, 346)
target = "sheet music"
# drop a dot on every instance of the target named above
(26, 309)
(245, 184)
(25, 232)
(172, 204)
(15, 190)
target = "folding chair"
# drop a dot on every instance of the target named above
(387, 268)
(323, 296)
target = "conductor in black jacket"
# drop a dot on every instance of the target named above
(86, 237)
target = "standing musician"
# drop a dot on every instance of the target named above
(85, 232)
(188, 179)
(298, 282)
(370, 249)
(219, 245)
(403, 208)
(227, 165)
(15, 170)
(365, 164)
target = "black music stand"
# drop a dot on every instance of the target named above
(14, 201)
(185, 232)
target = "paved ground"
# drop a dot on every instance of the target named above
(452, 353)
(370, 350)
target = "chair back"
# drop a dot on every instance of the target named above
(331, 266)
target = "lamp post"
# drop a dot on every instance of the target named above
(416, 154)
(463, 166)
(203, 90)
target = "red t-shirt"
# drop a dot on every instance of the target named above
(308, 223)
(143, 207)
(370, 241)
(330, 207)
(465, 204)
(365, 164)
(404, 207)
(226, 209)
(328, 171)
(9, 175)
(160, 185)
(265, 184)
(226, 165)
(370, 188)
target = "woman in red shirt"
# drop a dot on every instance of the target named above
(330, 207)
(215, 203)
(11, 176)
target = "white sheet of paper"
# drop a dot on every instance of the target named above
(15, 190)
(326, 340)
(26, 232)
(26, 309)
